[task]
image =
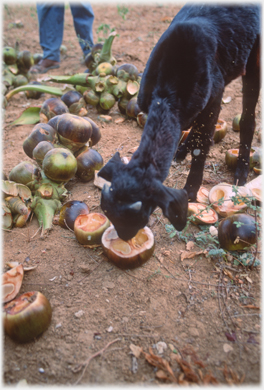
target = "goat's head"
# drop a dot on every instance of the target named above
(134, 195)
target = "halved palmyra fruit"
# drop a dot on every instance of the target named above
(89, 228)
(11, 283)
(222, 195)
(128, 254)
(202, 214)
(255, 186)
(202, 195)
(232, 156)
(220, 130)
(27, 316)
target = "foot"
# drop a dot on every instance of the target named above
(44, 66)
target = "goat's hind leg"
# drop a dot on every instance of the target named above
(251, 87)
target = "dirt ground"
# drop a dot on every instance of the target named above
(202, 314)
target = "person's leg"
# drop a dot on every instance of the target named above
(83, 18)
(51, 24)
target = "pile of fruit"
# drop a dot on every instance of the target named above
(60, 150)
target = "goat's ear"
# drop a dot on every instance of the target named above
(174, 205)
(111, 167)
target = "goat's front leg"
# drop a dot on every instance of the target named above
(202, 138)
(251, 87)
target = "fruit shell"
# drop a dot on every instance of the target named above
(255, 186)
(225, 191)
(233, 238)
(12, 282)
(135, 257)
(220, 130)
(89, 228)
(202, 195)
(32, 318)
(232, 156)
(202, 215)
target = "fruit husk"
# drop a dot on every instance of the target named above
(10, 188)
(99, 181)
(203, 215)
(235, 123)
(225, 191)
(16, 205)
(45, 209)
(24, 172)
(40, 132)
(233, 237)
(87, 163)
(255, 186)
(27, 317)
(89, 228)
(128, 254)
(7, 218)
(220, 130)
(59, 165)
(21, 220)
(231, 158)
(202, 195)
(69, 212)
(11, 283)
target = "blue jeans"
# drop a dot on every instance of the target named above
(51, 25)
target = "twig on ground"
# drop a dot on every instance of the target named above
(86, 363)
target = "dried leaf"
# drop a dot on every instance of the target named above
(136, 350)
(189, 255)
(160, 363)
(231, 337)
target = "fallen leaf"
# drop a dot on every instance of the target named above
(248, 279)
(30, 116)
(160, 363)
(231, 337)
(136, 350)
(189, 255)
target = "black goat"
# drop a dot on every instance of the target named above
(204, 49)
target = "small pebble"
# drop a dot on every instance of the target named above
(41, 370)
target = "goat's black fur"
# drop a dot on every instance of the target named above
(203, 50)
